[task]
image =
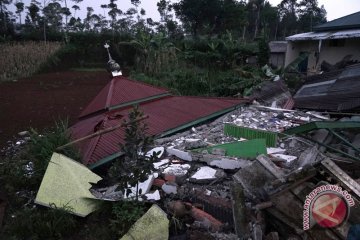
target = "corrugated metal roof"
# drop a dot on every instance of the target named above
(164, 114)
(119, 92)
(278, 46)
(339, 93)
(347, 22)
(341, 34)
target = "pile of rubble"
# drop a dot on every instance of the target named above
(229, 196)
(245, 175)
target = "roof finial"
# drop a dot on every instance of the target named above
(113, 66)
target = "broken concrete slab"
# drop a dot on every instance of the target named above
(206, 174)
(256, 178)
(178, 170)
(178, 153)
(66, 183)
(163, 162)
(143, 188)
(275, 150)
(229, 164)
(287, 158)
(169, 188)
(308, 157)
(153, 225)
(159, 151)
(155, 196)
(194, 143)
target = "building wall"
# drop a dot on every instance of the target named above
(277, 60)
(330, 53)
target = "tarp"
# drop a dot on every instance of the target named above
(66, 184)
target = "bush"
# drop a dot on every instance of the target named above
(37, 223)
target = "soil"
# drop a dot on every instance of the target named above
(40, 100)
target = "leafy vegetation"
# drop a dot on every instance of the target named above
(134, 166)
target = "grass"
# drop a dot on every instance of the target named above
(88, 69)
(22, 59)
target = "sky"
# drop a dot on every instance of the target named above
(334, 8)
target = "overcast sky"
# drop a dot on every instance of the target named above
(334, 8)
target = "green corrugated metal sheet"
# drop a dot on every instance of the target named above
(321, 125)
(249, 133)
(244, 149)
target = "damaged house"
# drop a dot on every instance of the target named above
(167, 114)
(330, 43)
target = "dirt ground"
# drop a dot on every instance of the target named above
(40, 100)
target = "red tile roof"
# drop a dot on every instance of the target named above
(119, 91)
(164, 114)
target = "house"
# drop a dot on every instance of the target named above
(167, 114)
(329, 43)
(277, 53)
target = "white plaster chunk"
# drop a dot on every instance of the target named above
(157, 149)
(180, 154)
(226, 163)
(153, 196)
(177, 169)
(144, 186)
(169, 189)
(205, 173)
(157, 165)
(275, 150)
(288, 158)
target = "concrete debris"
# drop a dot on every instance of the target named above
(308, 157)
(206, 174)
(194, 143)
(23, 133)
(180, 154)
(143, 188)
(178, 170)
(228, 184)
(275, 150)
(169, 188)
(226, 163)
(287, 158)
(155, 196)
(163, 162)
(159, 151)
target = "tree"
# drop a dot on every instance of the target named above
(134, 166)
(310, 14)
(4, 15)
(288, 18)
(113, 13)
(33, 13)
(198, 16)
(76, 6)
(19, 9)
(53, 16)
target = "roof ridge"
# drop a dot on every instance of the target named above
(141, 82)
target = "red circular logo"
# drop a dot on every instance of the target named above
(329, 210)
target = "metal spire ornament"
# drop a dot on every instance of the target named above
(113, 66)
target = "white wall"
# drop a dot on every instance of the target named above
(328, 53)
